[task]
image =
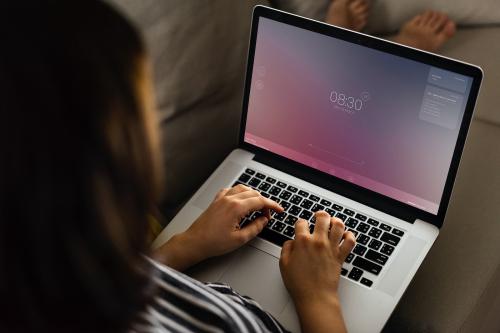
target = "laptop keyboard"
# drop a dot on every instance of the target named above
(375, 241)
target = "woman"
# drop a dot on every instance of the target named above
(79, 176)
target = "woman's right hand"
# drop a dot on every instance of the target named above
(310, 265)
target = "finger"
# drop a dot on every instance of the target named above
(221, 193)
(251, 193)
(259, 203)
(238, 189)
(322, 224)
(250, 230)
(285, 252)
(347, 245)
(337, 231)
(301, 227)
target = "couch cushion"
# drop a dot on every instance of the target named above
(458, 277)
(481, 46)
(199, 51)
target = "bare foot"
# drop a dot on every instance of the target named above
(350, 14)
(427, 31)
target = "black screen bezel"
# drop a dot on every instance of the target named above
(340, 186)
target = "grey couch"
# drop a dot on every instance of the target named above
(198, 49)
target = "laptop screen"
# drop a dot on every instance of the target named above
(380, 121)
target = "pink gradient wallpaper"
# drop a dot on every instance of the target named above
(380, 121)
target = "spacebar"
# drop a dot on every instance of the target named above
(367, 265)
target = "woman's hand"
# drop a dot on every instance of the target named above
(217, 231)
(310, 265)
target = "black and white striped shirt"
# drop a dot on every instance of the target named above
(182, 304)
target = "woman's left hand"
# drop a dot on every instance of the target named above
(217, 231)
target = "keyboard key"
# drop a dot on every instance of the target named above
(375, 244)
(313, 219)
(250, 171)
(269, 224)
(285, 195)
(265, 194)
(303, 193)
(363, 239)
(337, 207)
(278, 226)
(306, 204)
(375, 232)
(361, 217)
(289, 231)
(314, 198)
(285, 205)
(275, 190)
(330, 211)
(359, 250)
(317, 207)
(281, 184)
(275, 199)
(254, 182)
(311, 228)
(398, 232)
(343, 271)
(349, 258)
(385, 227)
(355, 274)
(366, 282)
(264, 186)
(280, 216)
(260, 175)
(244, 178)
(295, 210)
(387, 249)
(373, 222)
(379, 258)
(290, 220)
(292, 189)
(390, 239)
(363, 227)
(295, 199)
(341, 216)
(270, 180)
(306, 215)
(348, 212)
(367, 265)
(351, 223)
(326, 203)
(353, 231)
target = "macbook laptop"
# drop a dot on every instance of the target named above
(369, 131)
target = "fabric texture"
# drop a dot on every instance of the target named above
(182, 304)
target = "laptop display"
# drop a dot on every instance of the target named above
(380, 121)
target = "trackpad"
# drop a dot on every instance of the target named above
(257, 274)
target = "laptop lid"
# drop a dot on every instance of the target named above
(380, 123)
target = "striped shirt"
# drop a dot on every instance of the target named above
(182, 304)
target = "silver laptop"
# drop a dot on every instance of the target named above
(368, 130)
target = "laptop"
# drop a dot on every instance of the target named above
(366, 129)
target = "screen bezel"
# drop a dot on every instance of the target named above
(338, 185)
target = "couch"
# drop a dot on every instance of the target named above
(198, 50)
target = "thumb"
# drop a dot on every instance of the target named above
(252, 229)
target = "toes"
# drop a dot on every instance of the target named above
(438, 21)
(449, 28)
(427, 17)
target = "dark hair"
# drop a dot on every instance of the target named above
(77, 170)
